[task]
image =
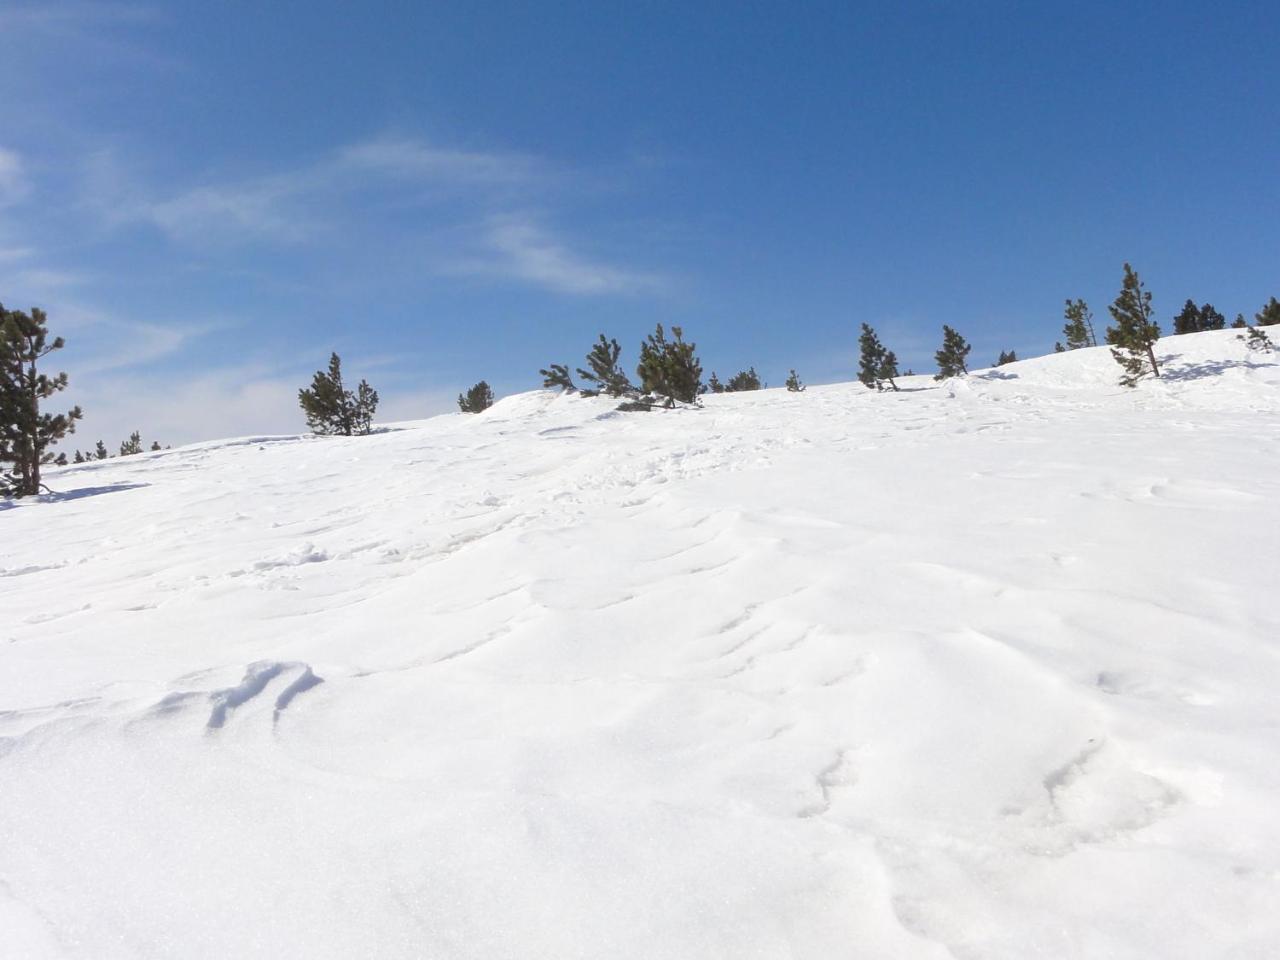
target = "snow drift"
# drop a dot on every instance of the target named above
(985, 669)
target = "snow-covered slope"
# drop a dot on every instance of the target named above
(981, 670)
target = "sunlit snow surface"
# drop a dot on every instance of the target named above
(981, 670)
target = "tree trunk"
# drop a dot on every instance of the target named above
(1151, 353)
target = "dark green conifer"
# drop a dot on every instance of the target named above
(1257, 340)
(1239, 322)
(1134, 335)
(557, 375)
(1078, 329)
(1010, 357)
(476, 400)
(604, 371)
(670, 369)
(155, 445)
(744, 380)
(331, 408)
(1193, 319)
(877, 367)
(951, 356)
(793, 382)
(25, 432)
(714, 384)
(1269, 315)
(131, 446)
(80, 458)
(100, 451)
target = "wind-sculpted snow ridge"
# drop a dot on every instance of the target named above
(983, 670)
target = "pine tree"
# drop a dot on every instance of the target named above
(793, 382)
(1188, 321)
(877, 367)
(131, 446)
(1193, 319)
(155, 445)
(61, 459)
(1269, 315)
(745, 380)
(557, 375)
(1078, 329)
(670, 368)
(604, 370)
(25, 432)
(476, 400)
(1257, 340)
(1134, 336)
(714, 384)
(333, 409)
(951, 356)
(366, 404)
(1211, 319)
(100, 451)
(1058, 347)
(1239, 322)
(80, 458)
(1010, 357)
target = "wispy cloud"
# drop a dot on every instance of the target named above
(522, 249)
(303, 202)
(13, 180)
(54, 17)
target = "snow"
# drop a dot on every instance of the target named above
(983, 669)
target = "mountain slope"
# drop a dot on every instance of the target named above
(979, 670)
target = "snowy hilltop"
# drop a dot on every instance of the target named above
(984, 668)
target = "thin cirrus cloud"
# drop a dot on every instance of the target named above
(521, 249)
(459, 193)
(303, 203)
(13, 180)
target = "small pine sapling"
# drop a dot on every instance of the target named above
(951, 356)
(1239, 322)
(100, 451)
(714, 384)
(1134, 335)
(1010, 357)
(877, 367)
(670, 368)
(557, 375)
(1269, 315)
(604, 371)
(476, 400)
(742, 381)
(1078, 330)
(1257, 340)
(793, 383)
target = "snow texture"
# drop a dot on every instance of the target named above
(984, 669)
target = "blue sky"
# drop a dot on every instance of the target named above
(209, 197)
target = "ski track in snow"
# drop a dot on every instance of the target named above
(980, 670)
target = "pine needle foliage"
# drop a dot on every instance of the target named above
(476, 400)
(793, 382)
(1010, 357)
(1257, 340)
(1134, 335)
(1078, 330)
(131, 446)
(557, 375)
(952, 355)
(1194, 319)
(670, 369)
(603, 370)
(100, 451)
(331, 409)
(877, 367)
(25, 432)
(1269, 315)
(743, 381)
